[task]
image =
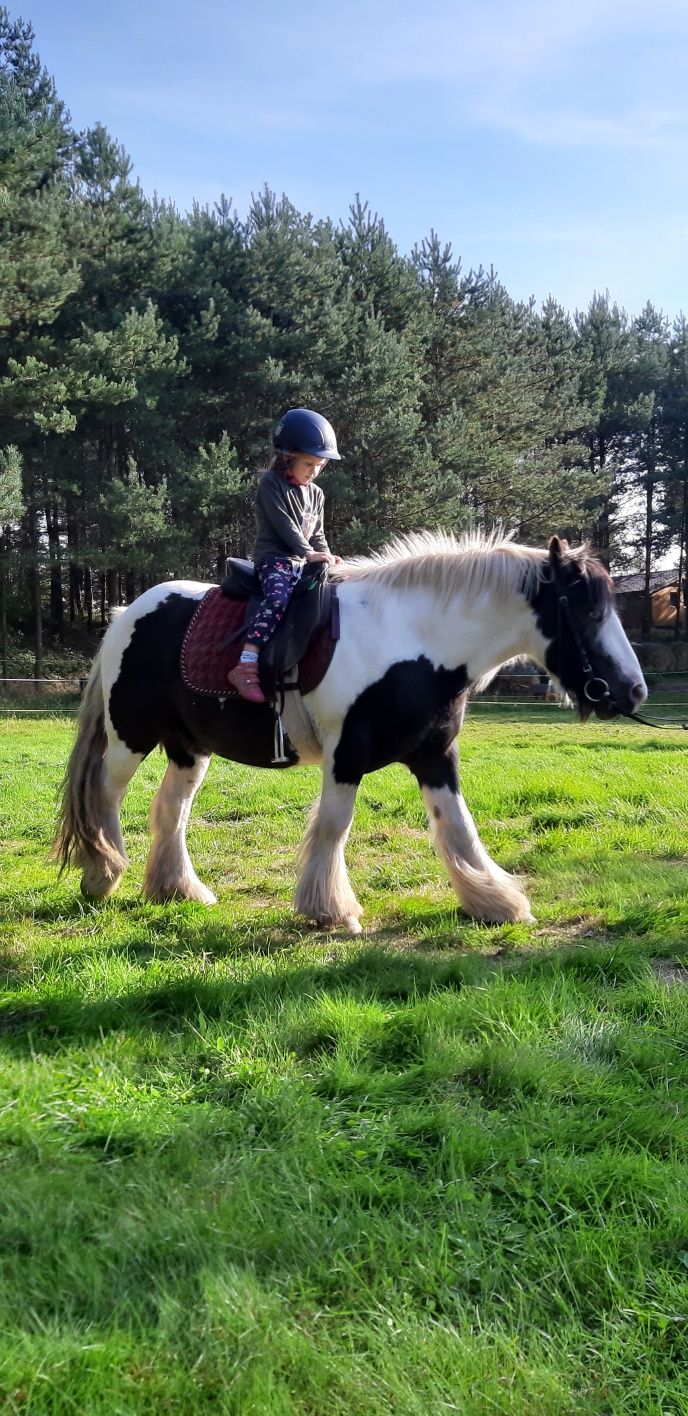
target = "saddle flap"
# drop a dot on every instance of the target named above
(241, 580)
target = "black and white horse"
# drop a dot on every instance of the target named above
(421, 623)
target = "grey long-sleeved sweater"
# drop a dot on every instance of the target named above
(289, 518)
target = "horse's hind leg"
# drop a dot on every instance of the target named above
(485, 890)
(169, 873)
(323, 893)
(105, 859)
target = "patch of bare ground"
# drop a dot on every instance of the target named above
(406, 941)
(669, 971)
(571, 931)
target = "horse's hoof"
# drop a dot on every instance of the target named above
(198, 894)
(349, 922)
(93, 890)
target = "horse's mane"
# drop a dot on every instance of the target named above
(473, 562)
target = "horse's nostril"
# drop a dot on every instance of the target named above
(638, 693)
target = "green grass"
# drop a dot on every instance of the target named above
(252, 1168)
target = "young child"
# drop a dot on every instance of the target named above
(289, 526)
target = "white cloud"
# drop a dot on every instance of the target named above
(554, 73)
(639, 129)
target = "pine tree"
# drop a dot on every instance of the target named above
(11, 509)
(674, 443)
(38, 273)
(451, 300)
(650, 364)
(383, 485)
(617, 407)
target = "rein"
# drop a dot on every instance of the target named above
(597, 690)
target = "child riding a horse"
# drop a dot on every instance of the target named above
(289, 530)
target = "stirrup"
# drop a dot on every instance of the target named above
(279, 757)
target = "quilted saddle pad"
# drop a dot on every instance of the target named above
(207, 656)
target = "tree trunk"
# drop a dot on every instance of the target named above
(684, 534)
(680, 589)
(75, 583)
(604, 513)
(56, 602)
(37, 609)
(112, 589)
(38, 624)
(34, 582)
(646, 625)
(3, 609)
(76, 575)
(88, 596)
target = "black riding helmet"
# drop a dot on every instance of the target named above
(302, 430)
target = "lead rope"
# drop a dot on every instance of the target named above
(650, 722)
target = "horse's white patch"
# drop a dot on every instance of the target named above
(479, 632)
(612, 641)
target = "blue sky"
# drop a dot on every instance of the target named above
(547, 139)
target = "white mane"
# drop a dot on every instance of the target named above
(473, 563)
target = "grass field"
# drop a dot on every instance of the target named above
(252, 1168)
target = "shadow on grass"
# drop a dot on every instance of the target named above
(361, 975)
(203, 947)
(54, 911)
(371, 975)
(634, 746)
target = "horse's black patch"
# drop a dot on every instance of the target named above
(589, 593)
(149, 704)
(435, 764)
(140, 706)
(411, 715)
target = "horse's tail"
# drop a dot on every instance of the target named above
(81, 837)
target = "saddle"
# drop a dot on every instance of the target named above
(296, 657)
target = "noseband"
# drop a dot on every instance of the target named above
(596, 690)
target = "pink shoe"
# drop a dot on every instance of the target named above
(244, 678)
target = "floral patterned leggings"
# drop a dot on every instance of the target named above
(278, 577)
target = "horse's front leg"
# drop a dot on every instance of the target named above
(323, 893)
(485, 890)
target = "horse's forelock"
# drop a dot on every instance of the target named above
(595, 573)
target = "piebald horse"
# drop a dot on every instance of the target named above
(423, 623)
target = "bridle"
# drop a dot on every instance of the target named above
(595, 689)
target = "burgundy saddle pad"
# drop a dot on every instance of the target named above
(207, 658)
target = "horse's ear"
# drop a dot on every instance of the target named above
(557, 550)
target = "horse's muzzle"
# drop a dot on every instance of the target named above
(623, 699)
(611, 702)
(606, 710)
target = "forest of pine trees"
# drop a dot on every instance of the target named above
(145, 355)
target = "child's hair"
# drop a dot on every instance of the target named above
(282, 461)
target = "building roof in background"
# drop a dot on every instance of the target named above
(630, 584)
